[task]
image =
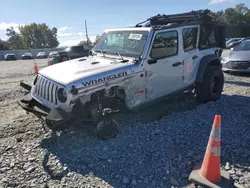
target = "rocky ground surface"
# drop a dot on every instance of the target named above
(155, 147)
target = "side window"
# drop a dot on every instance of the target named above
(189, 38)
(165, 44)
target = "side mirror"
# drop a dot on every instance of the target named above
(90, 53)
(137, 60)
(231, 48)
(152, 61)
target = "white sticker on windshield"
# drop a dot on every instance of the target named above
(135, 36)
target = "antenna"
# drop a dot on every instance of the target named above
(86, 29)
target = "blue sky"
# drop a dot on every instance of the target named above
(68, 16)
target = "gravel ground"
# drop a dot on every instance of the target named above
(153, 149)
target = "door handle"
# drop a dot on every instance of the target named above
(195, 57)
(177, 64)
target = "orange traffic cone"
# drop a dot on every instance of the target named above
(35, 68)
(210, 168)
(209, 173)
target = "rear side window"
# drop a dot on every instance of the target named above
(190, 38)
(165, 45)
(211, 36)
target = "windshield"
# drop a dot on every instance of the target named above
(244, 46)
(130, 43)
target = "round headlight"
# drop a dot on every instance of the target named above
(62, 95)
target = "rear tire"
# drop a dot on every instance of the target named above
(212, 84)
(65, 58)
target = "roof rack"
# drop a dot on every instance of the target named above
(201, 16)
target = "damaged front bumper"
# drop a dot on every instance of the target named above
(32, 106)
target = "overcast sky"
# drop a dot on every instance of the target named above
(68, 16)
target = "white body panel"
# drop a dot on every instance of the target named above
(163, 77)
(142, 82)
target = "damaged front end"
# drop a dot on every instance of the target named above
(56, 118)
(30, 105)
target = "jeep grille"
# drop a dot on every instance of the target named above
(46, 90)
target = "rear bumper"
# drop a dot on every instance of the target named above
(30, 105)
(236, 66)
(54, 60)
(234, 70)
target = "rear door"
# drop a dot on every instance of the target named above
(190, 53)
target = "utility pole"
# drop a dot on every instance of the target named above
(86, 32)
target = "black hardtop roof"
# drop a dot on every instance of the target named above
(161, 21)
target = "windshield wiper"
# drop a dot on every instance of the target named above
(102, 52)
(119, 55)
(123, 60)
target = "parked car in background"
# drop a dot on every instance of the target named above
(233, 42)
(238, 60)
(27, 55)
(9, 57)
(41, 55)
(72, 52)
(52, 53)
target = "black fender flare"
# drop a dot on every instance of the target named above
(206, 61)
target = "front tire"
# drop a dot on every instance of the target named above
(106, 129)
(55, 126)
(212, 84)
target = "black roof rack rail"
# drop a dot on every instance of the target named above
(200, 16)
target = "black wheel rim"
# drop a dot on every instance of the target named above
(107, 129)
(215, 85)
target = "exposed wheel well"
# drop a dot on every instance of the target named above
(113, 97)
(210, 60)
(215, 62)
(114, 91)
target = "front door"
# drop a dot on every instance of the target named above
(164, 65)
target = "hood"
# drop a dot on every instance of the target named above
(239, 55)
(70, 71)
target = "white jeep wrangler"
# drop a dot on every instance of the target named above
(133, 67)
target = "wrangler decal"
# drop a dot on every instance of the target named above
(107, 78)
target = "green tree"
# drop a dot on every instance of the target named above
(247, 17)
(39, 36)
(85, 43)
(97, 38)
(239, 15)
(4, 45)
(15, 40)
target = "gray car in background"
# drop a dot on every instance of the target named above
(238, 60)
(41, 55)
